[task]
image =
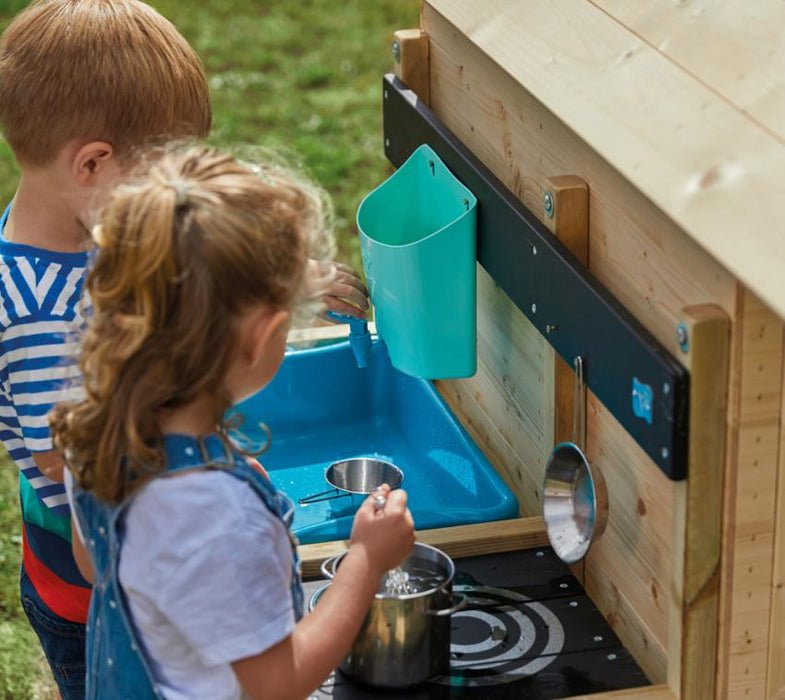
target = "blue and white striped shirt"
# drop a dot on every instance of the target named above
(41, 317)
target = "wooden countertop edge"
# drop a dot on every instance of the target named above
(456, 542)
(652, 692)
(303, 337)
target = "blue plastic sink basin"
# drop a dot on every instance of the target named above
(321, 408)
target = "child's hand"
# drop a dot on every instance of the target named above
(386, 536)
(346, 294)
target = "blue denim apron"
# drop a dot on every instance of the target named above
(116, 663)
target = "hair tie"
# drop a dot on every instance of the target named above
(181, 191)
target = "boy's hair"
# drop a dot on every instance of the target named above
(184, 250)
(110, 70)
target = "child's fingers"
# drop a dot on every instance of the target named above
(355, 295)
(342, 307)
(349, 275)
(396, 503)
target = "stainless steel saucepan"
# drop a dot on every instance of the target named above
(404, 639)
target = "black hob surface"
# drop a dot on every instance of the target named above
(529, 631)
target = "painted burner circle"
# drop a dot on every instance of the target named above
(501, 637)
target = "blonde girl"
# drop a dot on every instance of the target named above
(196, 585)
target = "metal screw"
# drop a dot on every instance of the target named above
(666, 388)
(573, 604)
(387, 142)
(547, 203)
(396, 50)
(598, 638)
(385, 94)
(683, 337)
(534, 250)
(665, 453)
(534, 308)
(611, 657)
(540, 554)
(563, 585)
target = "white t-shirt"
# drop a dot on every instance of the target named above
(207, 571)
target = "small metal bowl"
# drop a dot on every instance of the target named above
(363, 475)
(575, 502)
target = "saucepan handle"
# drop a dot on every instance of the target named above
(328, 567)
(444, 612)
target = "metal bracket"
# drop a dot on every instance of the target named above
(563, 300)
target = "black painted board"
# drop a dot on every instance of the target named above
(536, 573)
(551, 287)
(566, 675)
(523, 606)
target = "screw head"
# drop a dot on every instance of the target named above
(683, 337)
(534, 308)
(665, 453)
(547, 204)
(396, 51)
(387, 142)
(666, 388)
(611, 657)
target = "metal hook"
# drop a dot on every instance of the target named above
(579, 405)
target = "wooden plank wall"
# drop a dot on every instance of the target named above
(776, 666)
(644, 260)
(750, 499)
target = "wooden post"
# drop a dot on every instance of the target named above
(697, 509)
(411, 52)
(776, 661)
(566, 214)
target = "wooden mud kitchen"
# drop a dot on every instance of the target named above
(628, 160)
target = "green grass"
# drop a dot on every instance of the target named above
(301, 76)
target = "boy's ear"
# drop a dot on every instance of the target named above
(90, 160)
(266, 331)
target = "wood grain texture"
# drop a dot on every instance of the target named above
(568, 220)
(507, 407)
(698, 158)
(570, 224)
(628, 570)
(736, 47)
(776, 664)
(456, 542)
(412, 65)
(697, 510)
(654, 692)
(644, 260)
(635, 251)
(749, 501)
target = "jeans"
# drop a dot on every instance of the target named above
(63, 642)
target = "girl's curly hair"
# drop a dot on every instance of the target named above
(183, 249)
